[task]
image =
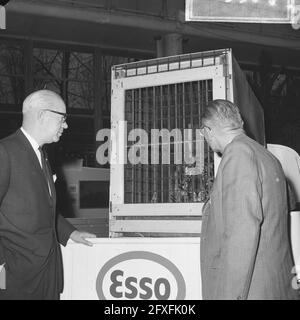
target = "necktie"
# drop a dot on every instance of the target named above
(46, 171)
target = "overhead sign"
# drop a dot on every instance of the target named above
(2, 18)
(254, 11)
(2, 277)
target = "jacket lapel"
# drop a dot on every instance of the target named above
(35, 161)
(51, 182)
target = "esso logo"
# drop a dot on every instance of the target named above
(140, 275)
(143, 288)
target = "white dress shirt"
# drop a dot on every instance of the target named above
(34, 144)
(35, 147)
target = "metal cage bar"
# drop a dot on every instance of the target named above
(172, 106)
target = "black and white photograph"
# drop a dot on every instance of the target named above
(149, 152)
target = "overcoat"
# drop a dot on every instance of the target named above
(245, 247)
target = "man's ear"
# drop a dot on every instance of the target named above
(208, 131)
(40, 115)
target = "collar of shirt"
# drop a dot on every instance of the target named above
(35, 147)
(34, 144)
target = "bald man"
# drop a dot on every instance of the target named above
(30, 231)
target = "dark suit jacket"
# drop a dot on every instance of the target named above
(30, 232)
(245, 249)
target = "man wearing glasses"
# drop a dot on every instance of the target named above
(245, 249)
(30, 230)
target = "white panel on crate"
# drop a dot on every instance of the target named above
(161, 209)
(103, 271)
(160, 226)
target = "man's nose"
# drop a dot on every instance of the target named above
(65, 125)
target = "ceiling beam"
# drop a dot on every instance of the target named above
(230, 32)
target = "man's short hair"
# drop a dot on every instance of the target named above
(224, 113)
(40, 99)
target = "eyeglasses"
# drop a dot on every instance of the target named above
(64, 115)
(202, 128)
